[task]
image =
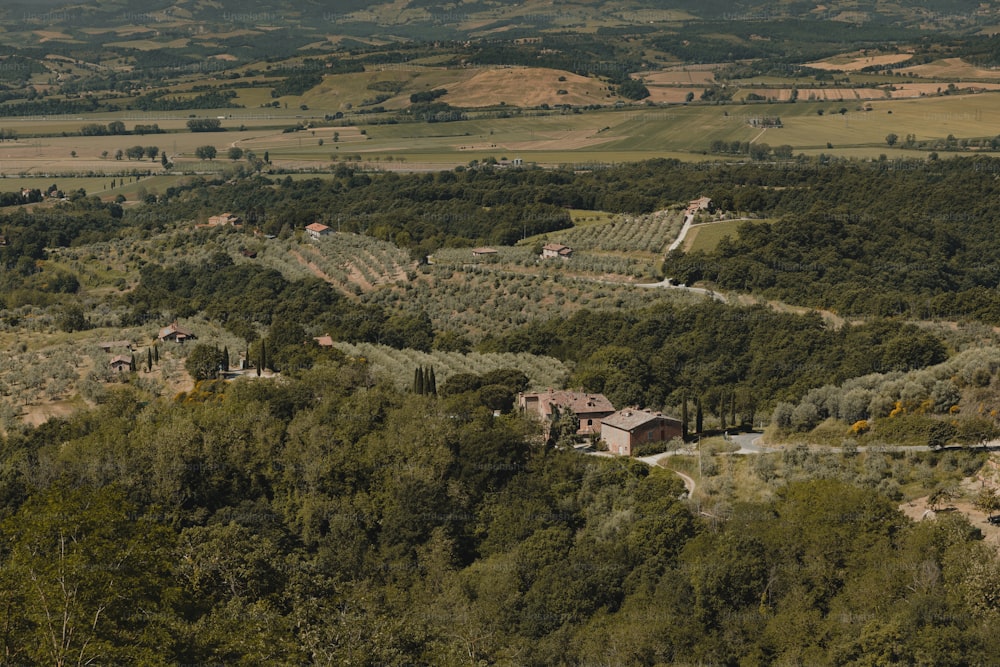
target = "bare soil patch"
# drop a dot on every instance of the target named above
(38, 414)
(919, 509)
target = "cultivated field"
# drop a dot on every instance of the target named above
(527, 87)
(632, 133)
(650, 233)
(682, 76)
(853, 63)
(952, 68)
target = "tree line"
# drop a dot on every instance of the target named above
(734, 361)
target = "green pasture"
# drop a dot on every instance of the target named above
(707, 236)
(584, 218)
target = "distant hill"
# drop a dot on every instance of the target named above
(424, 19)
(63, 57)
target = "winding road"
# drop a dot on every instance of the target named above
(750, 446)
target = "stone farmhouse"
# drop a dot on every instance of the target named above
(553, 250)
(590, 409)
(626, 429)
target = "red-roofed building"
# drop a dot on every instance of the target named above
(624, 430)
(699, 204)
(175, 333)
(324, 341)
(590, 409)
(317, 230)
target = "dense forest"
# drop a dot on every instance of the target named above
(331, 518)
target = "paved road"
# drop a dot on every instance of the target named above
(688, 220)
(750, 446)
(667, 284)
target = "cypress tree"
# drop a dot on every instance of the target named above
(732, 408)
(263, 355)
(432, 385)
(684, 417)
(131, 364)
(418, 381)
(698, 416)
(156, 353)
(225, 358)
(149, 360)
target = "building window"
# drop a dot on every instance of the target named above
(590, 422)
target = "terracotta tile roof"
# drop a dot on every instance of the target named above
(173, 330)
(630, 419)
(577, 401)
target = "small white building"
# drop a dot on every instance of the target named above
(552, 250)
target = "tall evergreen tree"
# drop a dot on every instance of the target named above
(225, 358)
(684, 417)
(418, 380)
(149, 360)
(699, 417)
(431, 382)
